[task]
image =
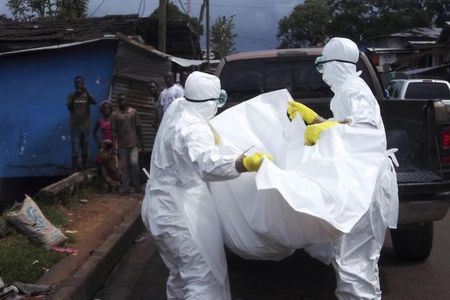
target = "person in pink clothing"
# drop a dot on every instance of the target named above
(107, 159)
(103, 124)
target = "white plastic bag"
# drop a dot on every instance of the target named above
(307, 194)
(29, 218)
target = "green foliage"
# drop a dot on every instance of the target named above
(23, 260)
(307, 25)
(222, 36)
(54, 215)
(315, 21)
(72, 8)
(360, 20)
(23, 10)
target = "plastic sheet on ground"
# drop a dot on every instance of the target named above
(307, 194)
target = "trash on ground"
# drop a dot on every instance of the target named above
(29, 219)
(65, 250)
(8, 291)
(71, 231)
(84, 201)
(32, 289)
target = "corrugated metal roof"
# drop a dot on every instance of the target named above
(420, 32)
(58, 46)
(68, 30)
(141, 45)
(422, 70)
(181, 40)
(390, 50)
(183, 62)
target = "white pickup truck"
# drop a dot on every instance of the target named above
(411, 89)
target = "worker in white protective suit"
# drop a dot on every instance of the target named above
(178, 208)
(354, 255)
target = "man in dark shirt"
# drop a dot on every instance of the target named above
(127, 133)
(78, 103)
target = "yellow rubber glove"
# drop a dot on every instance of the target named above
(307, 113)
(312, 132)
(253, 162)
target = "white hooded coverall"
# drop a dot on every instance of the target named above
(178, 209)
(355, 255)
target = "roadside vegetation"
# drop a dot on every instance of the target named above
(24, 260)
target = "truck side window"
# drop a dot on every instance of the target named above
(243, 79)
(278, 75)
(308, 82)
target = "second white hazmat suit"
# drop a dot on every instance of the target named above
(178, 209)
(355, 255)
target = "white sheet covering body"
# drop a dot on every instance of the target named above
(308, 194)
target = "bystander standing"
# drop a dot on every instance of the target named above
(78, 103)
(103, 123)
(154, 91)
(171, 92)
(127, 133)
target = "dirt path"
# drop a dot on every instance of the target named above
(92, 223)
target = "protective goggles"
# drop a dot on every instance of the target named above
(221, 100)
(319, 63)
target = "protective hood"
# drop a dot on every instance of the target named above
(336, 72)
(201, 93)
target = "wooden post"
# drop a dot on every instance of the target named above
(207, 33)
(162, 25)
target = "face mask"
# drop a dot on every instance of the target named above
(207, 109)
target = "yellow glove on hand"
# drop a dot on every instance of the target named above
(253, 162)
(312, 132)
(307, 113)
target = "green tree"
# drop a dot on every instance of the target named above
(222, 36)
(73, 8)
(306, 26)
(318, 20)
(349, 18)
(23, 10)
(359, 20)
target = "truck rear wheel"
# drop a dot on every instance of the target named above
(413, 241)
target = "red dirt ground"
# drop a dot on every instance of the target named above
(93, 223)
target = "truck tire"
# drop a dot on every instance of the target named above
(413, 241)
